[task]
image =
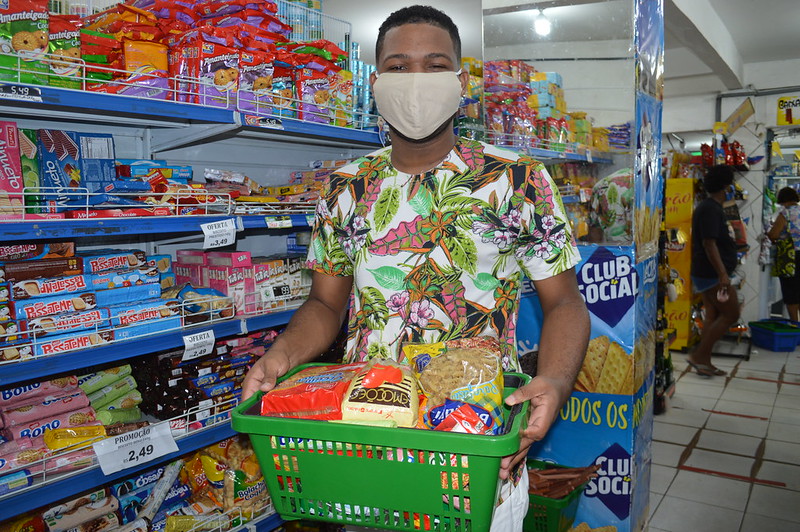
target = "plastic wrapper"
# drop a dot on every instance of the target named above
(312, 393)
(23, 414)
(91, 382)
(60, 438)
(383, 390)
(26, 394)
(79, 514)
(466, 370)
(118, 416)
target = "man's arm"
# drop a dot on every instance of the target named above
(310, 332)
(562, 347)
(712, 252)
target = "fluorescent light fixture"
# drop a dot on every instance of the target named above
(542, 25)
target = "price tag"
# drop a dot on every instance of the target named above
(589, 156)
(198, 344)
(310, 219)
(266, 122)
(219, 234)
(134, 448)
(279, 222)
(279, 293)
(21, 92)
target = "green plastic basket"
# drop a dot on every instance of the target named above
(550, 515)
(389, 478)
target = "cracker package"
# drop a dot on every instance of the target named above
(312, 393)
(462, 370)
(219, 73)
(607, 368)
(255, 82)
(383, 390)
(24, 33)
(283, 91)
(65, 46)
(314, 93)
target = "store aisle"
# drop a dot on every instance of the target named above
(726, 454)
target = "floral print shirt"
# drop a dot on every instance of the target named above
(441, 255)
(792, 216)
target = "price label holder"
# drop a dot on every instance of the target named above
(310, 220)
(276, 293)
(134, 448)
(279, 222)
(589, 156)
(198, 344)
(20, 92)
(219, 234)
(266, 122)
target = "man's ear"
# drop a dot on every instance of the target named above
(464, 79)
(372, 77)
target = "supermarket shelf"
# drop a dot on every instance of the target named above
(71, 485)
(561, 156)
(38, 368)
(266, 524)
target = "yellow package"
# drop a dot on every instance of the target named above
(382, 390)
(467, 370)
(60, 438)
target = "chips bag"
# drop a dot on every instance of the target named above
(65, 42)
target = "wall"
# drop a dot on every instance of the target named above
(366, 17)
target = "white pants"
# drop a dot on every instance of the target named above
(509, 515)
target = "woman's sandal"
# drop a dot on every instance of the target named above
(707, 371)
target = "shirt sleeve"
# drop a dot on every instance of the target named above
(546, 246)
(325, 251)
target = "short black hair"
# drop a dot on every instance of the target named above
(788, 194)
(718, 178)
(419, 15)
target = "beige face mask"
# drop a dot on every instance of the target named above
(417, 103)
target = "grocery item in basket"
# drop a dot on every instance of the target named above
(312, 393)
(91, 382)
(49, 388)
(61, 438)
(465, 420)
(382, 390)
(24, 32)
(48, 407)
(471, 374)
(88, 511)
(76, 418)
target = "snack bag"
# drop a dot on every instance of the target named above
(24, 32)
(145, 57)
(255, 81)
(466, 370)
(312, 393)
(383, 390)
(342, 98)
(283, 91)
(314, 93)
(219, 75)
(65, 42)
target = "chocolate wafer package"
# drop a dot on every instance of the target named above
(35, 251)
(59, 172)
(11, 184)
(29, 163)
(22, 270)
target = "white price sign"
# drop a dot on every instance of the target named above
(134, 448)
(198, 344)
(219, 234)
(279, 222)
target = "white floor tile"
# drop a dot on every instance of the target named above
(774, 502)
(681, 416)
(738, 425)
(712, 440)
(747, 409)
(682, 399)
(743, 373)
(781, 451)
(655, 500)
(673, 433)
(783, 432)
(792, 390)
(660, 479)
(710, 489)
(666, 454)
(744, 396)
(681, 515)
(752, 385)
(760, 523)
(777, 472)
(792, 377)
(700, 388)
(720, 462)
(791, 402)
(785, 415)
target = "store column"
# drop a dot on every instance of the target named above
(608, 420)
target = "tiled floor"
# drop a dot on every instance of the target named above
(726, 453)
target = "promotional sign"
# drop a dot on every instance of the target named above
(788, 110)
(608, 418)
(740, 116)
(679, 201)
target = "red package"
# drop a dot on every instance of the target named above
(463, 420)
(707, 154)
(313, 393)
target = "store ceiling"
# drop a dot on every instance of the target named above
(708, 42)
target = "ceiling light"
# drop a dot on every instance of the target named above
(542, 25)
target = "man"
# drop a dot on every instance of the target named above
(713, 262)
(432, 236)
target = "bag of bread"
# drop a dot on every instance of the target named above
(383, 390)
(467, 370)
(315, 392)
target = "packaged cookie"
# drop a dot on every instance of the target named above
(65, 47)
(314, 93)
(219, 75)
(24, 32)
(383, 390)
(29, 163)
(255, 83)
(48, 407)
(36, 251)
(11, 182)
(77, 418)
(283, 91)
(26, 393)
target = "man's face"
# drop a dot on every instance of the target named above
(417, 48)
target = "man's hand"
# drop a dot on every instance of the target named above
(546, 396)
(274, 364)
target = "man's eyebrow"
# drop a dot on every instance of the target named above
(432, 55)
(396, 56)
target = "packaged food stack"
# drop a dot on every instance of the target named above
(619, 136)
(470, 121)
(208, 386)
(575, 181)
(96, 510)
(53, 299)
(113, 394)
(582, 128)
(510, 121)
(30, 415)
(24, 26)
(64, 47)
(600, 139)
(547, 95)
(102, 55)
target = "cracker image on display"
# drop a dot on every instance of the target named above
(607, 368)
(584, 527)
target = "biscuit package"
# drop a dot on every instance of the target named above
(29, 162)
(255, 83)
(283, 91)
(314, 93)
(24, 32)
(11, 182)
(219, 75)
(383, 390)
(466, 370)
(65, 47)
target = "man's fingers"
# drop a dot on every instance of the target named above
(253, 381)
